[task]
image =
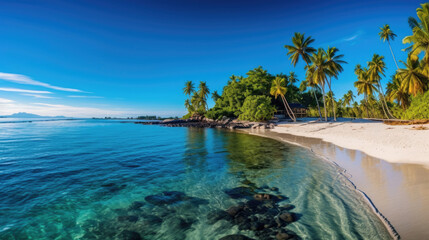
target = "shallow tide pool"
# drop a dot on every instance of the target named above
(96, 179)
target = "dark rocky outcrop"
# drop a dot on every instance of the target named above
(239, 192)
(259, 212)
(227, 123)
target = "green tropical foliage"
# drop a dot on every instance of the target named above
(278, 88)
(257, 108)
(419, 108)
(386, 34)
(257, 95)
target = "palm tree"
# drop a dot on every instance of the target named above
(188, 105)
(334, 65)
(365, 85)
(386, 34)
(395, 92)
(376, 69)
(301, 48)
(330, 101)
(420, 37)
(203, 92)
(348, 98)
(413, 80)
(189, 88)
(215, 96)
(293, 78)
(278, 88)
(320, 72)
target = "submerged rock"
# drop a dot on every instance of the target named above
(217, 215)
(136, 205)
(268, 197)
(129, 235)
(236, 237)
(165, 198)
(282, 236)
(113, 187)
(239, 192)
(131, 218)
(151, 220)
(260, 214)
(287, 217)
(179, 223)
(234, 210)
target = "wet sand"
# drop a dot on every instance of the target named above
(399, 191)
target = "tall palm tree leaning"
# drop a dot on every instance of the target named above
(420, 37)
(395, 91)
(320, 72)
(386, 34)
(278, 88)
(301, 48)
(203, 92)
(334, 62)
(364, 85)
(348, 98)
(375, 71)
(413, 80)
(189, 88)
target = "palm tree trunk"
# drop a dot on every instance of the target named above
(288, 108)
(333, 101)
(396, 63)
(390, 115)
(366, 106)
(324, 102)
(382, 106)
(317, 102)
(315, 96)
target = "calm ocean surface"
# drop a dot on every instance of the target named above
(88, 179)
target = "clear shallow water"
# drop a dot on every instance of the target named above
(77, 179)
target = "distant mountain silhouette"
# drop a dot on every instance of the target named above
(28, 115)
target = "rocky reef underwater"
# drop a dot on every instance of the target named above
(258, 213)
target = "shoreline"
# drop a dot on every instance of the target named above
(397, 192)
(392, 143)
(391, 229)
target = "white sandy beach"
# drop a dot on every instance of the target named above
(401, 144)
(379, 159)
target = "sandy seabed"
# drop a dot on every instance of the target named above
(390, 164)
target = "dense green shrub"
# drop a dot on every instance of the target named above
(257, 108)
(419, 107)
(217, 114)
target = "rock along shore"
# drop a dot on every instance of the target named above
(227, 123)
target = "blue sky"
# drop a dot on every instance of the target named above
(129, 58)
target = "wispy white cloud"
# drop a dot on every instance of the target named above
(4, 100)
(36, 95)
(82, 96)
(348, 39)
(44, 109)
(351, 38)
(23, 90)
(22, 79)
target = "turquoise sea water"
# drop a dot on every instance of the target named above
(88, 179)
